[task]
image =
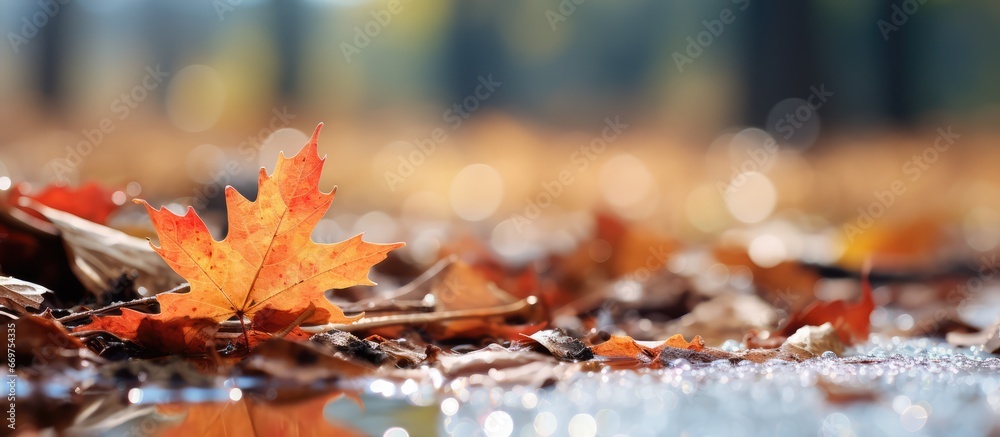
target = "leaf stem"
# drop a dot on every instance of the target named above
(510, 309)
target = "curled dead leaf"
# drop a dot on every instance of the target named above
(20, 296)
(816, 340)
(562, 346)
(99, 255)
(851, 320)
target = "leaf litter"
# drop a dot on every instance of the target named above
(249, 319)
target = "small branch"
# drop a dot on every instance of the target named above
(374, 303)
(118, 305)
(298, 321)
(511, 309)
(391, 306)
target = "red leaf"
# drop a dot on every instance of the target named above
(90, 201)
(849, 319)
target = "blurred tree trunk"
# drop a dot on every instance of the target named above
(782, 59)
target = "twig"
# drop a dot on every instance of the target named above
(438, 316)
(117, 305)
(391, 306)
(371, 304)
(298, 321)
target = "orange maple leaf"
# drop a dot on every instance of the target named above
(267, 268)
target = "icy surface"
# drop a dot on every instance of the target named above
(885, 387)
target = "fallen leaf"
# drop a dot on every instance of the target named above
(353, 347)
(562, 346)
(31, 250)
(90, 201)
(496, 364)
(850, 320)
(677, 341)
(404, 352)
(788, 285)
(99, 255)
(268, 262)
(458, 286)
(164, 335)
(785, 352)
(816, 340)
(616, 250)
(669, 355)
(21, 295)
(621, 347)
(724, 317)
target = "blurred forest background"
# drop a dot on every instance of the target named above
(176, 98)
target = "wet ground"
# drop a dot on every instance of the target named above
(888, 386)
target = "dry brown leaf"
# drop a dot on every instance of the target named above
(20, 296)
(99, 255)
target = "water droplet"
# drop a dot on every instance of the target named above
(546, 424)
(498, 424)
(449, 406)
(582, 425)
